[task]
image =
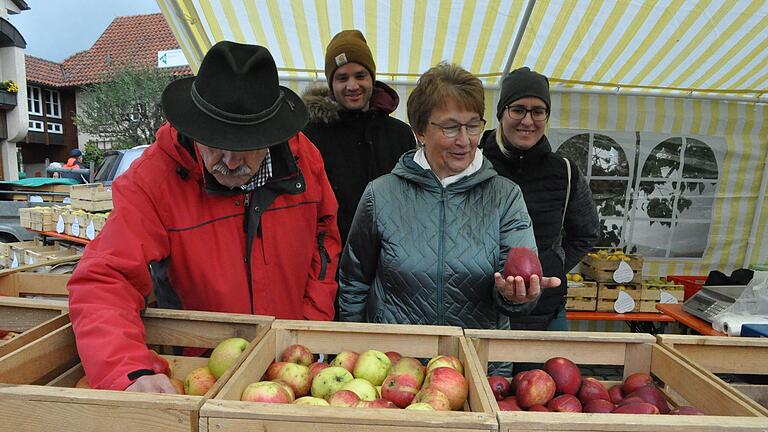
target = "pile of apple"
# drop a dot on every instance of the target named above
(373, 379)
(7, 335)
(200, 380)
(559, 387)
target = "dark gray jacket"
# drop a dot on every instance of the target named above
(419, 253)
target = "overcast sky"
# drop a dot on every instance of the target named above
(56, 29)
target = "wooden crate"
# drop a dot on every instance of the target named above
(606, 274)
(581, 296)
(90, 192)
(29, 284)
(226, 412)
(580, 304)
(31, 319)
(28, 404)
(610, 291)
(653, 291)
(92, 206)
(726, 355)
(684, 384)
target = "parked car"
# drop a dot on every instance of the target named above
(117, 162)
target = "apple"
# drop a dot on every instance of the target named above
(631, 400)
(564, 403)
(500, 386)
(522, 262)
(316, 367)
(400, 389)
(378, 391)
(420, 406)
(378, 403)
(199, 381)
(599, 406)
(636, 408)
(616, 393)
(83, 383)
(540, 408)
(311, 400)
(409, 366)
(535, 387)
(450, 382)
(297, 354)
(329, 381)
(372, 366)
(434, 397)
(160, 364)
(509, 404)
(592, 389)
(652, 395)
(287, 388)
(516, 379)
(362, 388)
(686, 410)
(225, 355)
(566, 374)
(346, 359)
(635, 381)
(394, 356)
(266, 392)
(178, 385)
(297, 377)
(445, 361)
(273, 370)
(343, 398)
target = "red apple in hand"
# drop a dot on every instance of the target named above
(522, 262)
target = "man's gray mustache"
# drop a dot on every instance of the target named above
(221, 168)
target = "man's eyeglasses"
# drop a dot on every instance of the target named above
(474, 128)
(518, 112)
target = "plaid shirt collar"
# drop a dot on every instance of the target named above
(262, 175)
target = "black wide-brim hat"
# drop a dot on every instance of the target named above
(235, 102)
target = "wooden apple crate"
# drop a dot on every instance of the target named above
(653, 291)
(29, 284)
(91, 197)
(684, 384)
(226, 412)
(726, 355)
(581, 296)
(31, 318)
(28, 404)
(601, 270)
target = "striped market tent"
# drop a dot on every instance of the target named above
(632, 80)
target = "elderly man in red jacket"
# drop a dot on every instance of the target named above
(230, 208)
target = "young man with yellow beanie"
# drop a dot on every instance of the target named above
(350, 123)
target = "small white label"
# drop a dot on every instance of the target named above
(66, 200)
(15, 261)
(90, 231)
(30, 260)
(60, 224)
(36, 199)
(667, 298)
(75, 227)
(624, 303)
(624, 273)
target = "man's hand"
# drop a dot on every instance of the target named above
(157, 383)
(513, 289)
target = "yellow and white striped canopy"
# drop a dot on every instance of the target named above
(710, 46)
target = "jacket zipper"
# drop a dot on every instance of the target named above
(247, 207)
(325, 257)
(440, 260)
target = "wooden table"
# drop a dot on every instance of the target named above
(697, 324)
(67, 237)
(640, 322)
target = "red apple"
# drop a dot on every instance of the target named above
(394, 356)
(598, 406)
(451, 383)
(509, 404)
(297, 354)
(159, 364)
(566, 374)
(522, 262)
(592, 389)
(434, 397)
(564, 403)
(631, 400)
(295, 376)
(445, 361)
(316, 367)
(652, 395)
(266, 392)
(400, 389)
(344, 398)
(409, 366)
(500, 386)
(616, 393)
(535, 387)
(637, 408)
(635, 381)
(516, 379)
(378, 403)
(346, 359)
(540, 408)
(199, 381)
(686, 410)
(178, 385)
(272, 371)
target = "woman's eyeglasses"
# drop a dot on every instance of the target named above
(474, 128)
(518, 112)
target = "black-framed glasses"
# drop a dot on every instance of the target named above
(474, 128)
(518, 112)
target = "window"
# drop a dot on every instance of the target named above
(34, 103)
(52, 103)
(36, 126)
(55, 128)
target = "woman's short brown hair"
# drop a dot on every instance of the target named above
(437, 86)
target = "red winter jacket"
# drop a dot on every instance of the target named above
(163, 209)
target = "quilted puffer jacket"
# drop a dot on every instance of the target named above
(419, 253)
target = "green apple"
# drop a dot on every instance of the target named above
(420, 406)
(372, 366)
(311, 400)
(329, 380)
(225, 354)
(365, 390)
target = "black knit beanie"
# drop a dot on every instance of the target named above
(520, 83)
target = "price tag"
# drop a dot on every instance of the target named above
(35, 199)
(66, 200)
(90, 231)
(667, 298)
(15, 261)
(624, 303)
(75, 227)
(624, 273)
(60, 224)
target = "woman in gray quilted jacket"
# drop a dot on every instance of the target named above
(428, 240)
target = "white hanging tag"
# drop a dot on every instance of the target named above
(667, 298)
(90, 231)
(15, 261)
(30, 260)
(35, 199)
(624, 303)
(60, 224)
(66, 200)
(75, 227)
(624, 273)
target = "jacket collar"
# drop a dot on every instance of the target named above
(323, 108)
(408, 169)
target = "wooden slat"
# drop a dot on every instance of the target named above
(26, 267)
(225, 425)
(33, 333)
(53, 353)
(19, 319)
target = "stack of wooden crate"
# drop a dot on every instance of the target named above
(651, 293)
(600, 265)
(91, 197)
(581, 296)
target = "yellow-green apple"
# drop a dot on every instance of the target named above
(329, 380)
(297, 354)
(451, 382)
(199, 381)
(311, 400)
(160, 364)
(362, 388)
(394, 356)
(378, 403)
(535, 387)
(400, 389)
(343, 398)
(409, 366)
(420, 406)
(316, 367)
(297, 377)
(178, 385)
(287, 387)
(434, 397)
(266, 392)
(272, 371)
(445, 361)
(225, 355)
(83, 383)
(345, 359)
(372, 366)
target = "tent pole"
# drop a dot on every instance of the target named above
(756, 218)
(519, 37)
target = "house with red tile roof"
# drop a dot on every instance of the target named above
(53, 89)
